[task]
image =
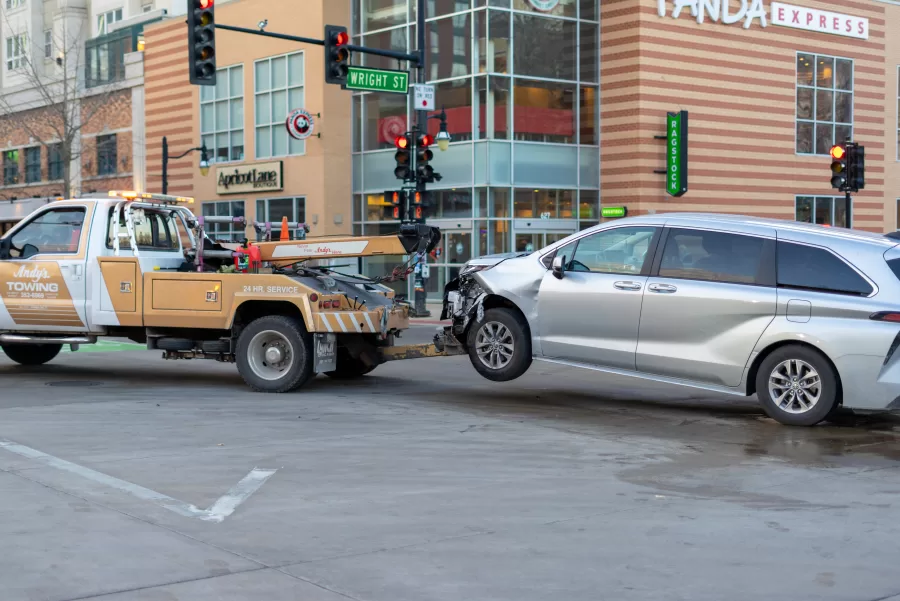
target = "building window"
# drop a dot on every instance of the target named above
(274, 209)
(15, 52)
(106, 155)
(824, 102)
(222, 115)
(824, 210)
(225, 232)
(10, 167)
(54, 162)
(278, 84)
(105, 56)
(48, 43)
(11, 4)
(104, 20)
(32, 165)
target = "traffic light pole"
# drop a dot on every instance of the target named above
(847, 209)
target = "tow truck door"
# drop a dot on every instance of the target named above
(43, 271)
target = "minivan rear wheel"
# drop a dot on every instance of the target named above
(797, 386)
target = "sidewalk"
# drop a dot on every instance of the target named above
(434, 319)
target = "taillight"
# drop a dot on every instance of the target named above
(891, 316)
(313, 297)
(335, 304)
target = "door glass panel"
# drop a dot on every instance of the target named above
(57, 232)
(620, 250)
(712, 256)
(458, 246)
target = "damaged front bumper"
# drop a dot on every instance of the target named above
(463, 302)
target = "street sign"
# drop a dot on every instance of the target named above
(612, 212)
(378, 80)
(423, 97)
(677, 153)
(299, 124)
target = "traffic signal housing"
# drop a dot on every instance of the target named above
(337, 55)
(839, 177)
(856, 167)
(396, 200)
(424, 171)
(202, 42)
(403, 157)
(418, 208)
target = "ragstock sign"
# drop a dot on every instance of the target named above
(677, 153)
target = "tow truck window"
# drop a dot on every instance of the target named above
(55, 232)
(155, 231)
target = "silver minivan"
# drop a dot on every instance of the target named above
(804, 316)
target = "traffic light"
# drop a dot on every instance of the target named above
(839, 167)
(418, 209)
(403, 157)
(856, 167)
(337, 55)
(202, 42)
(424, 171)
(395, 198)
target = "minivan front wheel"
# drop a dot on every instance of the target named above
(797, 386)
(499, 345)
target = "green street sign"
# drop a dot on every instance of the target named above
(378, 80)
(610, 212)
(677, 153)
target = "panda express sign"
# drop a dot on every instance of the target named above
(259, 177)
(784, 15)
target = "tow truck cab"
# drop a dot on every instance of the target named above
(140, 266)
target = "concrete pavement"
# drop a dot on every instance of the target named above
(423, 481)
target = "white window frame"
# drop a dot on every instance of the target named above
(815, 197)
(814, 87)
(48, 43)
(16, 46)
(210, 102)
(274, 126)
(107, 18)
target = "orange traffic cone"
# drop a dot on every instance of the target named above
(284, 229)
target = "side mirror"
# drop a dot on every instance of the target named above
(558, 267)
(5, 247)
(29, 250)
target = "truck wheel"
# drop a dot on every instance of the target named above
(349, 367)
(274, 354)
(499, 345)
(31, 354)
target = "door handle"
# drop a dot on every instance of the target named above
(667, 288)
(627, 285)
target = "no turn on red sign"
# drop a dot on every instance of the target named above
(423, 97)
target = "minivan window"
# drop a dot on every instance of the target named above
(618, 250)
(811, 268)
(713, 256)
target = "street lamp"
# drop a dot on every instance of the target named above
(443, 137)
(204, 162)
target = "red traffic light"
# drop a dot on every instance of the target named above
(340, 38)
(838, 152)
(426, 140)
(401, 142)
(204, 4)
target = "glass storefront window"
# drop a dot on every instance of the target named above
(493, 237)
(492, 33)
(589, 205)
(449, 203)
(544, 111)
(565, 8)
(588, 10)
(544, 204)
(437, 8)
(492, 114)
(392, 39)
(455, 97)
(588, 53)
(381, 14)
(549, 48)
(493, 202)
(377, 208)
(450, 47)
(589, 105)
(356, 125)
(385, 120)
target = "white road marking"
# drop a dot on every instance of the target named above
(369, 323)
(220, 510)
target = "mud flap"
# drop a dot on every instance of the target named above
(324, 353)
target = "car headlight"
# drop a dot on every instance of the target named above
(470, 269)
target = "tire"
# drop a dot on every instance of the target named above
(502, 327)
(348, 367)
(255, 361)
(806, 401)
(31, 354)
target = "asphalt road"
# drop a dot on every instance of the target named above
(120, 472)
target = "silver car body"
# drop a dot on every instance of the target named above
(703, 334)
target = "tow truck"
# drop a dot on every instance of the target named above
(141, 266)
